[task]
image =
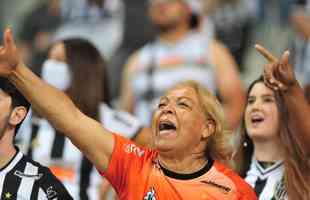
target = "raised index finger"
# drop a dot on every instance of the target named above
(265, 53)
(8, 38)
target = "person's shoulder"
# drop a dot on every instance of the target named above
(244, 189)
(219, 48)
(52, 187)
(140, 56)
(41, 169)
(24, 166)
(28, 159)
(27, 167)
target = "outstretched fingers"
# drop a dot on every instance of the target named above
(269, 78)
(271, 69)
(264, 52)
(278, 74)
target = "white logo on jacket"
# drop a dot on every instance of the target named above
(132, 148)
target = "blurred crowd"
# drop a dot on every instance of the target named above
(124, 54)
(127, 25)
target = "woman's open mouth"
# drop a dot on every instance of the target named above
(167, 128)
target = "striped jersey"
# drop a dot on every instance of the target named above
(161, 65)
(24, 179)
(51, 148)
(268, 183)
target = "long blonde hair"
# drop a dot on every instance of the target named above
(219, 144)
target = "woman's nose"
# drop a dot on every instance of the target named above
(256, 104)
(168, 109)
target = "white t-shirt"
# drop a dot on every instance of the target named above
(160, 66)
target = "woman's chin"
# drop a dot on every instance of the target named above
(164, 145)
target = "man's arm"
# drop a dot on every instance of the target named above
(279, 75)
(126, 97)
(301, 23)
(229, 83)
(88, 135)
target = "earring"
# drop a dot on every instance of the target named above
(245, 144)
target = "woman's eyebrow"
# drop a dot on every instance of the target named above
(163, 98)
(264, 95)
(268, 95)
(185, 98)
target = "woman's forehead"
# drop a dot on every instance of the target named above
(260, 88)
(182, 91)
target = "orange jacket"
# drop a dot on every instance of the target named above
(135, 174)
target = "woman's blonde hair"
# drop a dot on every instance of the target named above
(219, 144)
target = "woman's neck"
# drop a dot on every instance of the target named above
(268, 151)
(187, 165)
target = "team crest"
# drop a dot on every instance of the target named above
(150, 195)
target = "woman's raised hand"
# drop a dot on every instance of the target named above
(278, 73)
(9, 55)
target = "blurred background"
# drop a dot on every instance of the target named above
(237, 23)
(118, 28)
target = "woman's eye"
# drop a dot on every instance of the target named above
(160, 105)
(183, 104)
(250, 101)
(269, 100)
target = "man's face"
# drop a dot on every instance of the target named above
(166, 14)
(6, 109)
(58, 52)
(179, 121)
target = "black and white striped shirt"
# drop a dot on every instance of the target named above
(49, 147)
(267, 182)
(24, 179)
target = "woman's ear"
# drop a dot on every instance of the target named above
(209, 129)
(17, 115)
